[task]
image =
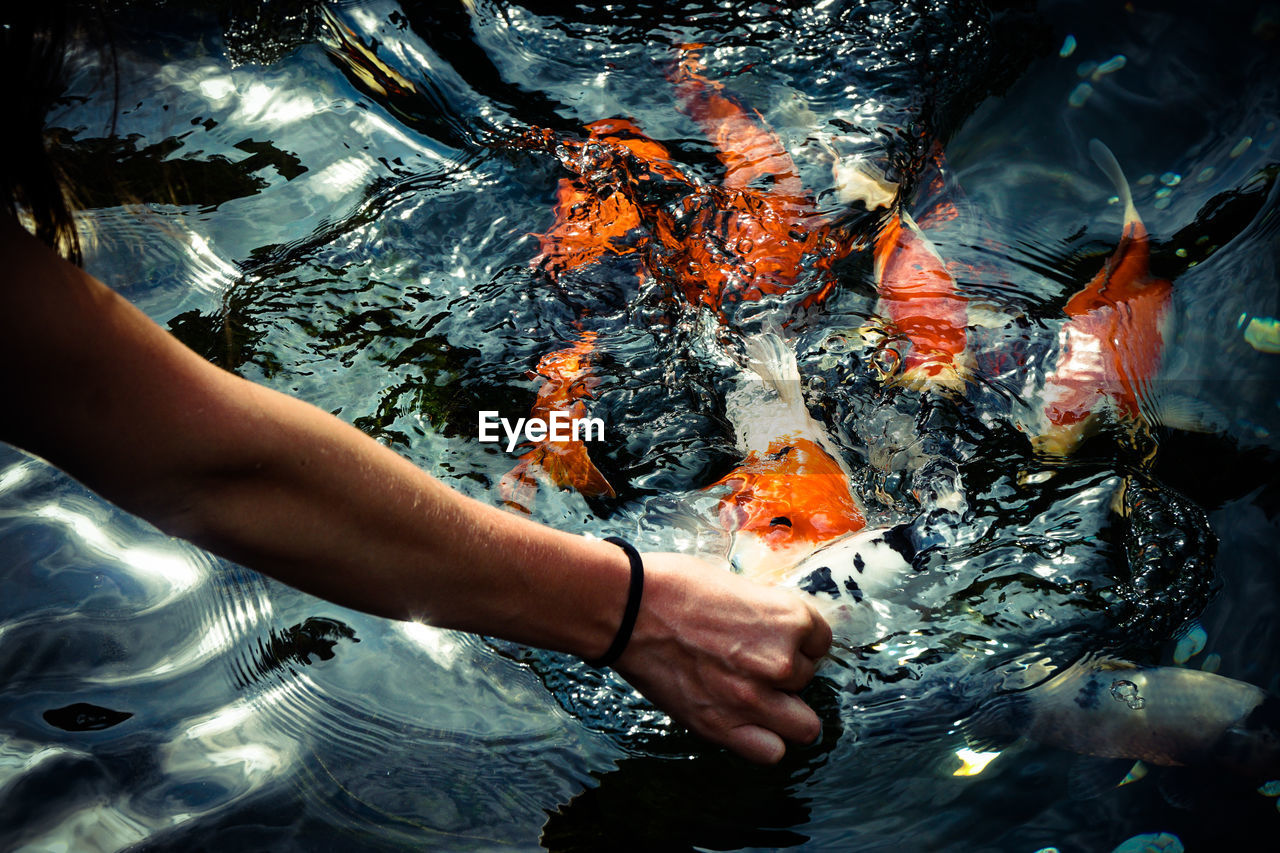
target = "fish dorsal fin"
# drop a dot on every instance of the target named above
(1111, 168)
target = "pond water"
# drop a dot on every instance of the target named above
(340, 206)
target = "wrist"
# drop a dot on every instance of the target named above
(605, 586)
(635, 592)
(574, 598)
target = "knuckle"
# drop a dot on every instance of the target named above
(780, 669)
(743, 694)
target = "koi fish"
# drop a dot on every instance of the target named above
(1102, 707)
(567, 383)
(918, 294)
(721, 245)
(1112, 342)
(1162, 715)
(760, 231)
(589, 222)
(791, 493)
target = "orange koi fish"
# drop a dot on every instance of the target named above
(591, 223)
(790, 495)
(588, 226)
(762, 227)
(1111, 345)
(918, 295)
(567, 383)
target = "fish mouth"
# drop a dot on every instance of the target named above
(1252, 746)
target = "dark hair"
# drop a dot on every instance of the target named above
(34, 40)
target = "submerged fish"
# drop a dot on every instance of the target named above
(1111, 345)
(1103, 707)
(791, 492)
(757, 233)
(588, 226)
(1161, 715)
(566, 385)
(918, 293)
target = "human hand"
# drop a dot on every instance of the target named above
(724, 655)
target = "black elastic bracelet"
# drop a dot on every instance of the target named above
(632, 610)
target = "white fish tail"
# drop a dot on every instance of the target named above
(769, 404)
(1110, 167)
(774, 362)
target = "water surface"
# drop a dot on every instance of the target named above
(357, 228)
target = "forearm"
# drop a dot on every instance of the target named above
(272, 482)
(322, 507)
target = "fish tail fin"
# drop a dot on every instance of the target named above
(774, 362)
(1110, 166)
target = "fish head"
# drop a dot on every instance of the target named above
(1252, 746)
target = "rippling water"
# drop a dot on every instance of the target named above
(342, 209)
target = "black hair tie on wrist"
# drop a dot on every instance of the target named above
(632, 610)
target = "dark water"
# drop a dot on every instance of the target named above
(343, 211)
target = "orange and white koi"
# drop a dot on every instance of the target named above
(918, 295)
(790, 494)
(1112, 343)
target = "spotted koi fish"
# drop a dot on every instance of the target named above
(790, 494)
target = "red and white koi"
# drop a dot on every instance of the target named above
(1110, 348)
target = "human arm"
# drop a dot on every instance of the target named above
(100, 390)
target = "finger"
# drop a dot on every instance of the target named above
(802, 669)
(817, 641)
(787, 716)
(756, 744)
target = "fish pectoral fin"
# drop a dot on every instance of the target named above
(1187, 413)
(1185, 789)
(858, 181)
(1091, 776)
(997, 723)
(950, 374)
(1061, 440)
